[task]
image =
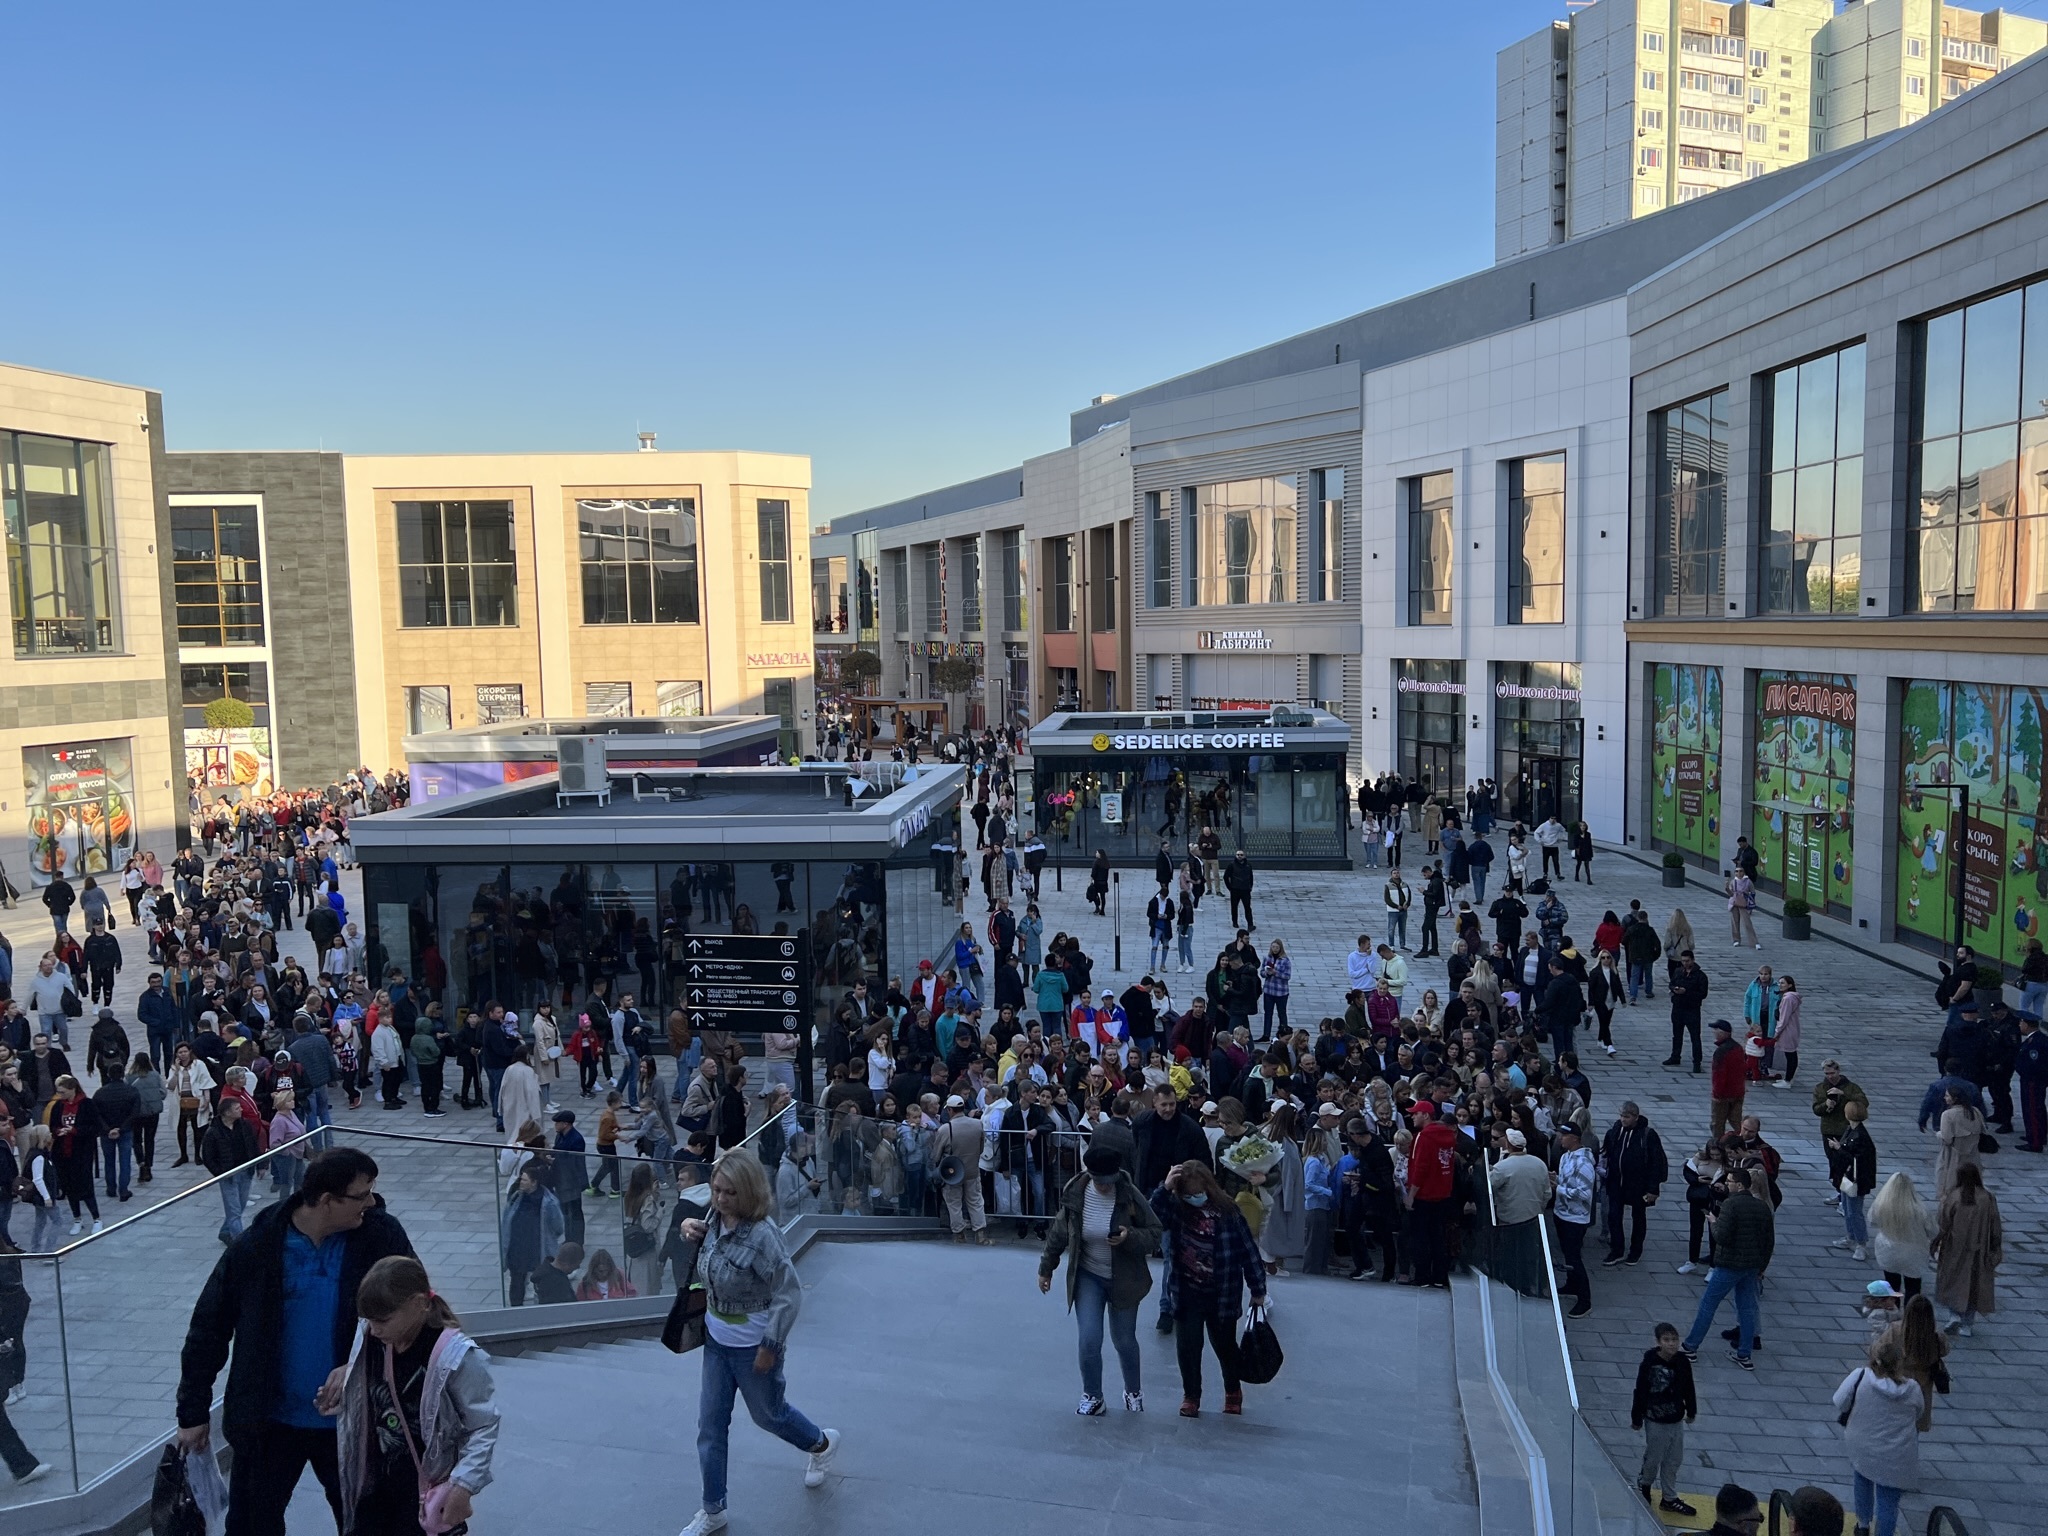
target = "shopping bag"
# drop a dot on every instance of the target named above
(173, 1511)
(1258, 1352)
(209, 1489)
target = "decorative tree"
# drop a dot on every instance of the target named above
(956, 674)
(229, 715)
(859, 670)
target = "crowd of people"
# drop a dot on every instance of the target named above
(1407, 1134)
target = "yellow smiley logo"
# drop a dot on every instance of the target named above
(1101, 742)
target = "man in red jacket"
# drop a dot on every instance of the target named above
(1432, 1178)
(1731, 1075)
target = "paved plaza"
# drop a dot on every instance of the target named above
(126, 1295)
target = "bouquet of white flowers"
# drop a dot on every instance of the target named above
(1253, 1154)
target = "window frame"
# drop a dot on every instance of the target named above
(1675, 598)
(1789, 473)
(468, 565)
(1160, 507)
(1523, 593)
(1421, 503)
(776, 559)
(220, 635)
(639, 577)
(415, 697)
(98, 630)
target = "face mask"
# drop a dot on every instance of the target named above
(1197, 1199)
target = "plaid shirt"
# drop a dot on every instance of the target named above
(1232, 1259)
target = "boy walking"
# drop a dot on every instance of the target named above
(1664, 1404)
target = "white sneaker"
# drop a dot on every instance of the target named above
(40, 1469)
(1965, 1330)
(1841, 1242)
(1756, 946)
(1134, 1402)
(77, 1227)
(18, 1395)
(97, 1226)
(1090, 1407)
(818, 1463)
(1858, 1254)
(1611, 1050)
(1688, 1268)
(705, 1522)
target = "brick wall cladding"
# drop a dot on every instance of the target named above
(305, 569)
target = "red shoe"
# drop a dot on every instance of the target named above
(1233, 1402)
(1191, 1408)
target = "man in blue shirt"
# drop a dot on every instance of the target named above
(283, 1300)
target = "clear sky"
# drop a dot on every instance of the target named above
(905, 239)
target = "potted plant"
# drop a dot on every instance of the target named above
(1674, 870)
(1798, 923)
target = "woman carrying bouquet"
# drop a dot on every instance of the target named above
(1210, 1258)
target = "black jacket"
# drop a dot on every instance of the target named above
(242, 1306)
(1634, 1162)
(1237, 877)
(1664, 1390)
(1688, 992)
(1163, 1143)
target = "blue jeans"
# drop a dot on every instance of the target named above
(1852, 1220)
(1275, 1005)
(495, 1076)
(1876, 1505)
(319, 1115)
(1372, 851)
(1639, 977)
(163, 1048)
(1397, 928)
(57, 1026)
(234, 1195)
(727, 1371)
(1187, 947)
(1157, 960)
(630, 1074)
(1478, 886)
(1744, 1283)
(118, 1154)
(1090, 1302)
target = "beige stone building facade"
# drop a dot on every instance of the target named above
(87, 772)
(493, 587)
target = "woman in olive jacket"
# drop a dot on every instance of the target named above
(1108, 1230)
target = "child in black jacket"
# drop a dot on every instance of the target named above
(1664, 1404)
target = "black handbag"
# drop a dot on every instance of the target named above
(172, 1509)
(70, 1004)
(684, 1329)
(1842, 1418)
(1258, 1352)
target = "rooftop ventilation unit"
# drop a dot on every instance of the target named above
(581, 766)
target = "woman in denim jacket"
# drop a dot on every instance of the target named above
(753, 1300)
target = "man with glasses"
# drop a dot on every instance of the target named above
(282, 1300)
(1736, 1512)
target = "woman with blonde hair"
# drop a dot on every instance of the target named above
(1678, 936)
(1429, 1013)
(754, 1299)
(1901, 1232)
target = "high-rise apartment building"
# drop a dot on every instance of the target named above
(1635, 105)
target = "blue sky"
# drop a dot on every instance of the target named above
(904, 239)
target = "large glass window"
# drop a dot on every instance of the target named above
(933, 559)
(427, 708)
(217, 570)
(1812, 523)
(1160, 505)
(1102, 579)
(970, 584)
(1689, 507)
(80, 802)
(1328, 586)
(608, 700)
(1429, 548)
(1015, 612)
(896, 565)
(456, 566)
(1242, 549)
(60, 544)
(1431, 696)
(1979, 536)
(500, 701)
(1059, 581)
(1973, 816)
(867, 576)
(639, 560)
(1539, 759)
(679, 699)
(1803, 795)
(200, 683)
(1685, 759)
(1536, 540)
(772, 519)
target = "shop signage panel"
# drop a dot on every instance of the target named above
(748, 983)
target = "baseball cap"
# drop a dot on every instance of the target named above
(1208, 1106)
(1333, 1111)
(1518, 1141)
(956, 1102)
(1880, 1290)
(1723, 1026)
